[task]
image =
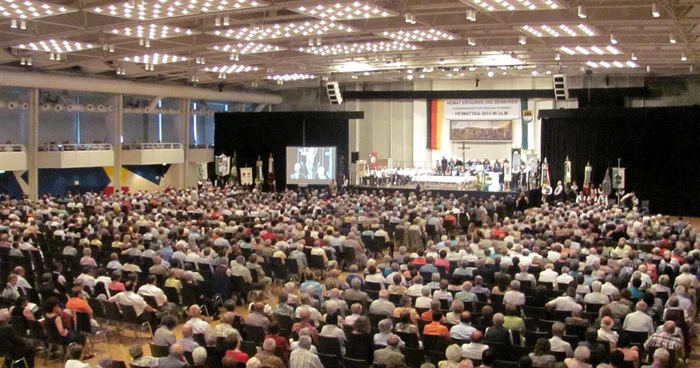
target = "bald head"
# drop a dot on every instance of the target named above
(670, 327)
(195, 311)
(177, 351)
(187, 330)
(477, 336)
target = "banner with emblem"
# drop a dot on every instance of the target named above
(606, 185)
(271, 171)
(202, 171)
(567, 172)
(587, 173)
(246, 175)
(373, 160)
(222, 165)
(545, 183)
(618, 178)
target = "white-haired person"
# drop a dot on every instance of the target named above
(581, 355)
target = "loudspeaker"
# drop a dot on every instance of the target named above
(354, 156)
(334, 95)
(561, 89)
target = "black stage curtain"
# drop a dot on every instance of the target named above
(258, 134)
(659, 147)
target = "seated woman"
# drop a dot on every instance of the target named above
(541, 356)
(233, 349)
(55, 328)
(21, 309)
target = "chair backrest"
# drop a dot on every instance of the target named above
(254, 333)
(329, 360)
(355, 363)
(172, 294)
(248, 347)
(82, 322)
(129, 313)
(158, 351)
(414, 356)
(150, 300)
(329, 345)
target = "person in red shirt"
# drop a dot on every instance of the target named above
(233, 349)
(442, 261)
(420, 260)
(282, 342)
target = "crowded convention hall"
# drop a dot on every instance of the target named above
(349, 184)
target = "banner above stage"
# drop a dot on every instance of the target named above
(482, 109)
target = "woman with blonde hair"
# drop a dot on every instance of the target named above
(453, 353)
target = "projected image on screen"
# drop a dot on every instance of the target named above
(310, 165)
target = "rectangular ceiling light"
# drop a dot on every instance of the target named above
(359, 48)
(560, 30)
(155, 59)
(233, 68)
(591, 50)
(345, 11)
(29, 9)
(514, 5)
(153, 31)
(419, 35)
(285, 30)
(246, 48)
(150, 10)
(55, 45)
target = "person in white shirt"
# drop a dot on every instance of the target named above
(565, 302)
(564, 278)
(548, 275)
(303, 357)
(88, 277)
(145, 312)
(639, 320)
(151, 289)
(373, 276)
(513, 295)
(21, 281)
(525, 276)
(475, 348)
(609, 288)
(557, 343)
(199, 326)
(424, 300)
(442, 293)
(331, 329)
(415, 289)
(596, 297)
(605, 333)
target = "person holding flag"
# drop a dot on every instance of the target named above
(271, 181)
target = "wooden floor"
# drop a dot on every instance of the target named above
(119, 351)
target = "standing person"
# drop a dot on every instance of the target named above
(332, 188)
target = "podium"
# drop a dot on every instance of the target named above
(493, 181)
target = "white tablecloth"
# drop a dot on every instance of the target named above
(443, 179)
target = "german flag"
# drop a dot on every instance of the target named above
(435, 120)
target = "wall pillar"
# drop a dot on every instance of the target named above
(33, 143)
(117, 120)
(184, 127)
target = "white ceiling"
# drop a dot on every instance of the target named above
(281, 39)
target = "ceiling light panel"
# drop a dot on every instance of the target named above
(285, 30)
(419, 35)
(291, 77)
(28, 9)
(560, 30)
(513, 5)
(359, 48)
(172, 8)
(155, 59)
(345, 11)
(246, 48)
(153, 31)
(55, 45)
(591, 50)
(233, 68)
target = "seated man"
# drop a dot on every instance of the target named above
(145, 312)
(139, 360)
(187, 341)
(390, 354)
(199, 326)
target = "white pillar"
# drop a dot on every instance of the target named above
(184, 124)
(117, 118)
(33, 144)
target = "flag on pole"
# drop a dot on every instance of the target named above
(587, 173)
(202, 172)
(223, 165)
(271, 172)
(618, 177)
(606, 185)
(567, 172)
(259, 173)
(545, 183)
(234, 169)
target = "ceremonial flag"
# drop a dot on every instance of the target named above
(223, 165)
(234, 169)
(567, 172)
(202, 172)
(373, 160)
(618, 177)
(606, 185)
(259, 172)
(587, 173)
(545, 174)
(271, 170)
(246, 175)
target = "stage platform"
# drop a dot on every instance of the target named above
(533, 195)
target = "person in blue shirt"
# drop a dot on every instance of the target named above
(314, 285)
(429, 266)
(636, 293)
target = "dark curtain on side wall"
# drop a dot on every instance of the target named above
(660, 147)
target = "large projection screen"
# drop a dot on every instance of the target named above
(310, 165)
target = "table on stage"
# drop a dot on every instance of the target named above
(492, 180)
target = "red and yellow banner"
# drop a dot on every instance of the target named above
(436, 110)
